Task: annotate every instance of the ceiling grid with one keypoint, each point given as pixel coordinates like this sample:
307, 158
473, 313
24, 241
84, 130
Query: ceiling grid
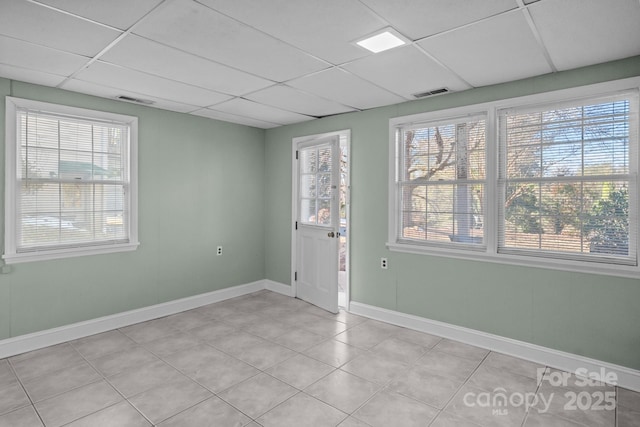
278, 62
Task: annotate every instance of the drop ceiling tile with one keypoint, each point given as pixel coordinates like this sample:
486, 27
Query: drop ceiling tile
418, 19
345, 88
117, 13
405, 71
583, 32
254, 110
323, 28
226, 117
36, 57
291, 99
29, 76
154, 58
482, 55
111, 93
197, 29
124, 78
41, 25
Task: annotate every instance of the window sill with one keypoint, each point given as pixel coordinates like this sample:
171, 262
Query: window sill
17, 258
518, 260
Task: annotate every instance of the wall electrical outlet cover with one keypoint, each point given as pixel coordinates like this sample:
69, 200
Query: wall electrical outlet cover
384, 264
219, 250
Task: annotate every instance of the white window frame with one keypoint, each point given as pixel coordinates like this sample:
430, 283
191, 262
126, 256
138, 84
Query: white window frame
11, 255
490, 253
400, 143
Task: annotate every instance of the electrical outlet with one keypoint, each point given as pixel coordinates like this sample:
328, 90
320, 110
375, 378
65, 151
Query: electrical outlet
384, 264
219, 251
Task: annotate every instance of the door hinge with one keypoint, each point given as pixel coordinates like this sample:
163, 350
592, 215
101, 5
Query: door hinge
296, 154
296, 225
295, 276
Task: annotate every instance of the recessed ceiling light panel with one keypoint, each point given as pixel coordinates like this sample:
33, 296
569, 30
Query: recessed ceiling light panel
382, 40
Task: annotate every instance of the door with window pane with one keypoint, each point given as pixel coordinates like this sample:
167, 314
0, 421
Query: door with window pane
318, 222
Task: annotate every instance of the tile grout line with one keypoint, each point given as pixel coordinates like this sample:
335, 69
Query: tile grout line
24, 390
381, 387
106, 380
538, 386
103, 378
462, 385
271, 340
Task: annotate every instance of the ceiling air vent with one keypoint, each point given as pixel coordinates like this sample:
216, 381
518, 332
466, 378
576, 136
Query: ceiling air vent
136, 100
431, 92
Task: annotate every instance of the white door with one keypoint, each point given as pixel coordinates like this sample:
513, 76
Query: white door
317, 234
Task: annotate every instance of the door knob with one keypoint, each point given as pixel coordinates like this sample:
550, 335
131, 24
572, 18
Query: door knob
331, 234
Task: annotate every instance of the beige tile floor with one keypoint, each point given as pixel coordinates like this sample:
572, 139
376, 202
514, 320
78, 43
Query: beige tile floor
269, 360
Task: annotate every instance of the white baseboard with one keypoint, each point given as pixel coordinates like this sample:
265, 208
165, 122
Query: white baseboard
37, 340
279, 288
626, 377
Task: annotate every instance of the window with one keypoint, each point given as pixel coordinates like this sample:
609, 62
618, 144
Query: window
547, 180
565, 177
315, 184
442, 181
70, 182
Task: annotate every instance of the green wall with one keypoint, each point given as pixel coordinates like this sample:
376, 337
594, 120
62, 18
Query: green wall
200, 186
204, 183
590, 315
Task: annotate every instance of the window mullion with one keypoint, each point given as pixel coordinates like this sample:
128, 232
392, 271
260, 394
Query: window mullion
492, 189
59, 187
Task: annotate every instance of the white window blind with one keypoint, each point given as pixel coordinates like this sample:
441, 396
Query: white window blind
72, 188
441, 182
315, 184
567, 180
546, 180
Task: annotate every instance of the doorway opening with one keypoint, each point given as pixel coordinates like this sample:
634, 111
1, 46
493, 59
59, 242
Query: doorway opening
344, 197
